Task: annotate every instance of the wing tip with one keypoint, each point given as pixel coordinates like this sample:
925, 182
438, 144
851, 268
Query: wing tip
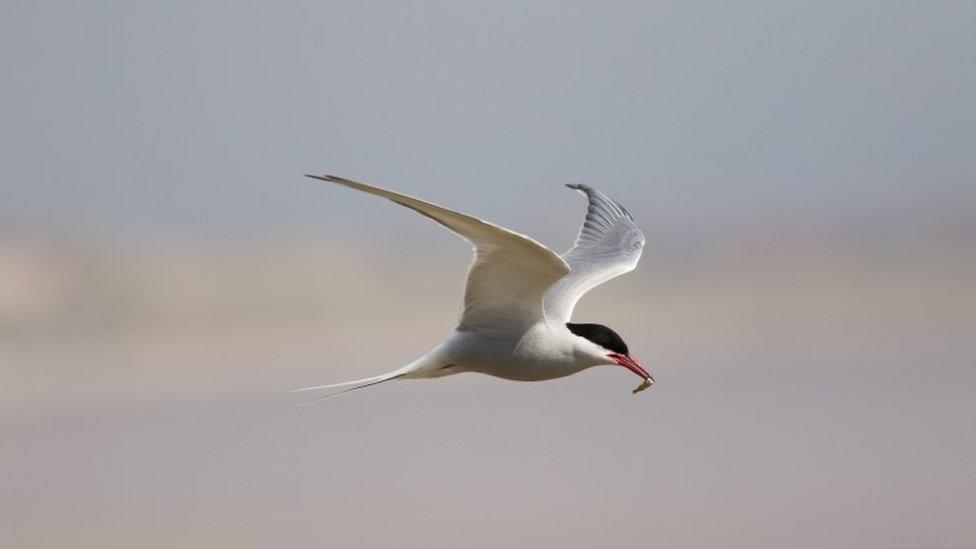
590, 192
325, 177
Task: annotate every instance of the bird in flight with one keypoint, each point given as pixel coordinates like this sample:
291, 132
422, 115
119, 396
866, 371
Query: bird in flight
519, 297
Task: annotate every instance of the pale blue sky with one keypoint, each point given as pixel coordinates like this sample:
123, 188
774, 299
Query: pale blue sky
197, 119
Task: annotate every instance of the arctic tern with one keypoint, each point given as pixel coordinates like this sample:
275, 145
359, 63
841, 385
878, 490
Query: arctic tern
519, 297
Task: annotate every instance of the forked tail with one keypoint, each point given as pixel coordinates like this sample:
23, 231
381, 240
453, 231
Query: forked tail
353, 385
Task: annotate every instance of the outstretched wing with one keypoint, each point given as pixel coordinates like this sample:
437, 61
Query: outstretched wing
510, 273
609, 244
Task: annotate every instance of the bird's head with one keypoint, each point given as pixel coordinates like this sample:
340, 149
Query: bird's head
609, 347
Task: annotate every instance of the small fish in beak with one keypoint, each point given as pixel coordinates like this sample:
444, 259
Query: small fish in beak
644, 385
631, 364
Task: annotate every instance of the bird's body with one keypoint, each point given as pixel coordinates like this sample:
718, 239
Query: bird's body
519, 297
543, 351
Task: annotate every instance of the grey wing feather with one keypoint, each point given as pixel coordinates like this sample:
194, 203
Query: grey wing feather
609, 244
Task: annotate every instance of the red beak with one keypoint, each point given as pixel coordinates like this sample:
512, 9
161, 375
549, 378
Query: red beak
631, 364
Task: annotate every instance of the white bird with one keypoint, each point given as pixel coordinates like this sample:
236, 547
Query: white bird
520, 295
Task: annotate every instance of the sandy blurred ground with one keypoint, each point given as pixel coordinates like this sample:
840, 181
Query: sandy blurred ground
811, 394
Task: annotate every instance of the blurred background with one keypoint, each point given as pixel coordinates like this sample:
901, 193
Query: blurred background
804, 173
